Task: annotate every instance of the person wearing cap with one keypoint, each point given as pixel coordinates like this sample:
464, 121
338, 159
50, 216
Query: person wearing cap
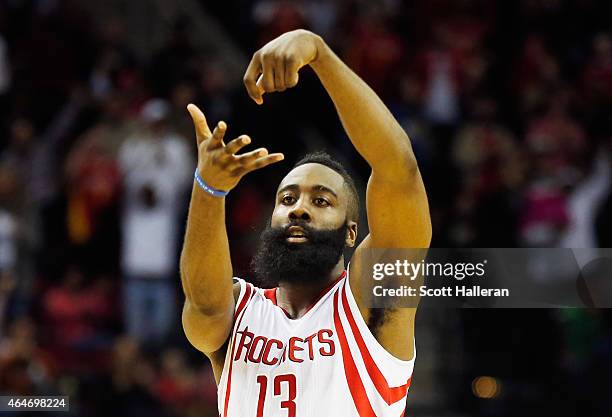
154, 163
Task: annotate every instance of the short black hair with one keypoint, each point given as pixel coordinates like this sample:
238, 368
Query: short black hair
323, 158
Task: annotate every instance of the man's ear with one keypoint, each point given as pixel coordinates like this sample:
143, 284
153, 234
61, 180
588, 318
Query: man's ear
351, 234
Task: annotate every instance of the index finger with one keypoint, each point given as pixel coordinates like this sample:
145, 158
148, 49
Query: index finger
199, 121
250, 79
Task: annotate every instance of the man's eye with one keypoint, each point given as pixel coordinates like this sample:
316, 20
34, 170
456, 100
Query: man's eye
287, 199
321, 202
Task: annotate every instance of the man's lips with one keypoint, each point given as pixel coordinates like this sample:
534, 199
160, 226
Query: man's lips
301, 239
295, 234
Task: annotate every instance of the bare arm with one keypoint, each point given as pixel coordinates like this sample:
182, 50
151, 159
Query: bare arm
206, 270
397, 207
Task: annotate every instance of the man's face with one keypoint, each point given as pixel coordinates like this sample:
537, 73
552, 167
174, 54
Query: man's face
309, 228
313, 193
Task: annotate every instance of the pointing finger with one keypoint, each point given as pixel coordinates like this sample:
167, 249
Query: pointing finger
199, 121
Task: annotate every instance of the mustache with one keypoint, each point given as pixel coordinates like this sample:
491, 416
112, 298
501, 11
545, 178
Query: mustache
315, 236
308, 230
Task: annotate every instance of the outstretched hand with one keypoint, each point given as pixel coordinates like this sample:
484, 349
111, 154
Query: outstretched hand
218, 164
275, 66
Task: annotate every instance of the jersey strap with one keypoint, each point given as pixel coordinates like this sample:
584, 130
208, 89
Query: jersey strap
246, 292
390, 394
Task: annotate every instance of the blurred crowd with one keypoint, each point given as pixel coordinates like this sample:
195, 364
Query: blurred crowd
507, 105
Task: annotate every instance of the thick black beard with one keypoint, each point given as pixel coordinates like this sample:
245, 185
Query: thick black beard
278, 261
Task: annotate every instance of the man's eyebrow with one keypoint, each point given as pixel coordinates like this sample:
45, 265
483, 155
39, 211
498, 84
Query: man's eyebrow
291, 187
318, 187
324, 189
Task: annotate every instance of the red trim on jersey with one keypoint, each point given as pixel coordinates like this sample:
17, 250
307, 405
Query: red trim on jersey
241, 308
353, 379
270, 294
245, 298
391, 395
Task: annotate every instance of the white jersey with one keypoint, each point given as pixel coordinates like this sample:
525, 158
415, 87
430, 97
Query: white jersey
326, 363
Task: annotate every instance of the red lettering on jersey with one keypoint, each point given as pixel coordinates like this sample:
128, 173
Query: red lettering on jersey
293, 348
310, 349
329, 342
261, 349
252, 356
243, 343
265, 359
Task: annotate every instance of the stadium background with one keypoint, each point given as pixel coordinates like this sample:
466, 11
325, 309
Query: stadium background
508, 107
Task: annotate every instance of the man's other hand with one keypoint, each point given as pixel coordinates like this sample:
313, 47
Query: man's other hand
275, 66
218, 164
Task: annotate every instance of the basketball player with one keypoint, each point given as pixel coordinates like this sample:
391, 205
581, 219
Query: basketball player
309, 346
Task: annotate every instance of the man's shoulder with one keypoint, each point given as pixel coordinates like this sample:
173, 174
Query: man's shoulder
242, 288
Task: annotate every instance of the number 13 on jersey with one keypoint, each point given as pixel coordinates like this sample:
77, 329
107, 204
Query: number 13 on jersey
284, 385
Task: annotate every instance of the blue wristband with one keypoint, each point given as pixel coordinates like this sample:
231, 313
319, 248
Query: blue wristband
208, 188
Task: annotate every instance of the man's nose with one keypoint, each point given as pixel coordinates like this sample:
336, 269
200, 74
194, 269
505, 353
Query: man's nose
298, 211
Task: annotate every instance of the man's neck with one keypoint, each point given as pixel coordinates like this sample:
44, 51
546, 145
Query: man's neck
296, 297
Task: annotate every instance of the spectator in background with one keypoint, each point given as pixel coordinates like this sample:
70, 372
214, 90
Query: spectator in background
558, 141
584, 201
126, 391
440, 66
156, 167
92, 192
18, 159
537, 76
375, 51
489, 162
79, 318
180, 388
25, 369
557, 147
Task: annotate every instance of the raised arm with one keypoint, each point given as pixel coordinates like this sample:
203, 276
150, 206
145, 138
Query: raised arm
397, 207
206, 270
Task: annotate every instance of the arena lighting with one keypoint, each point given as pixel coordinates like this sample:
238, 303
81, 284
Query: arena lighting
486, 387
